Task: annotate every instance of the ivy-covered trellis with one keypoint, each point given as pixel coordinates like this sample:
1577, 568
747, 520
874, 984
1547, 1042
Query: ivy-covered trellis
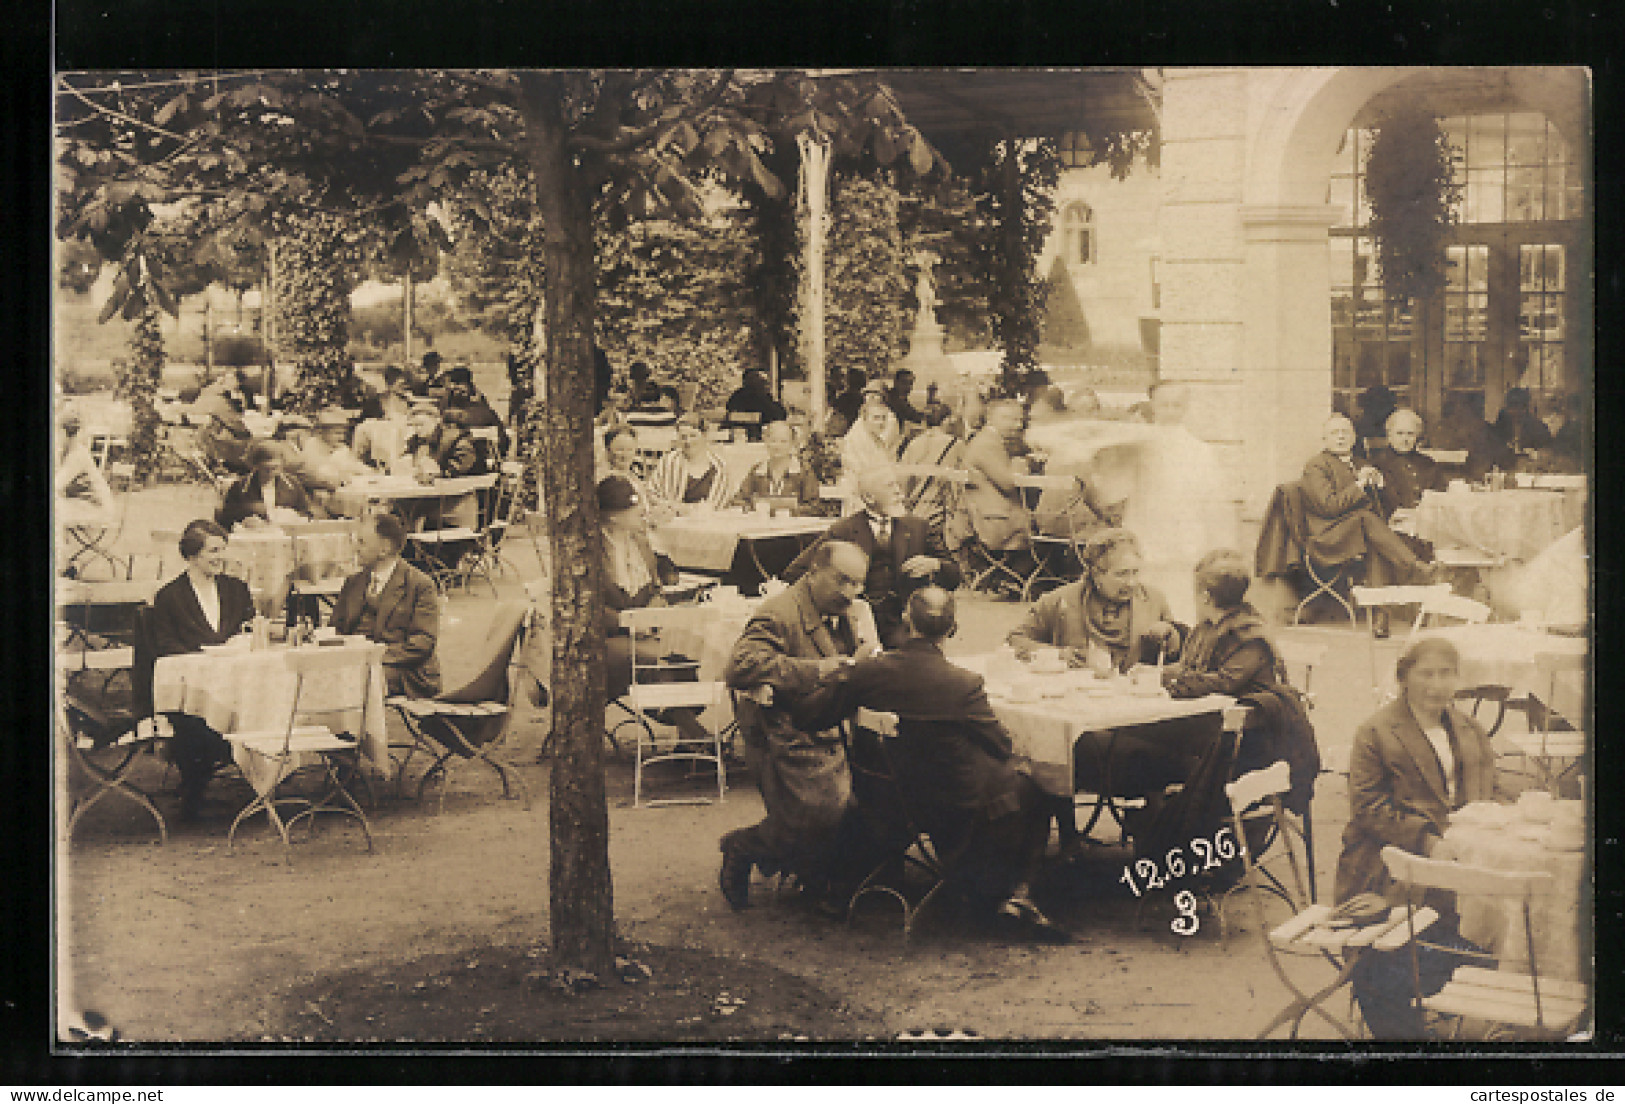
315, 256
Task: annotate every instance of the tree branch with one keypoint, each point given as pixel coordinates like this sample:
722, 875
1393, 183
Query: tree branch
131, 119
629, 139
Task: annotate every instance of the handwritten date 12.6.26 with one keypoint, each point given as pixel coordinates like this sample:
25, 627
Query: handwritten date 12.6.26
1205, 855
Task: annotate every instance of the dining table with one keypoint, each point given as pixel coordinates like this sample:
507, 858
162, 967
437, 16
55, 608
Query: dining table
237, 689
1504, 655
1066, 719
455, 495
1514, 523
708, 540
1503, 838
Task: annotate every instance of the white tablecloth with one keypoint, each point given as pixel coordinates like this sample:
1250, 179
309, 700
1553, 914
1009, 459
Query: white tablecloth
352, 498
1046, 730
1555, 917
705, 541
246, 691
1504, 655
1515, 523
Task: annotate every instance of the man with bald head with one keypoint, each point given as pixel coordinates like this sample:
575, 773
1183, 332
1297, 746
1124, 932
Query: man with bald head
904, 553
795, 638
1342, 513
956, 768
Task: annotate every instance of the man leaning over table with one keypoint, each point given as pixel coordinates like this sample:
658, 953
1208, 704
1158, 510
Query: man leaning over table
955, 761
392, 603
795, 638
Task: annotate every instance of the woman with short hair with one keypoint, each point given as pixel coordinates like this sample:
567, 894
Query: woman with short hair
691, 473
200, 606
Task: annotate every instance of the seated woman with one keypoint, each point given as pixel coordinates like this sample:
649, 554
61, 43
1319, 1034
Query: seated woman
633, 576
1229, 651
691, 474
199, 606
782, 475
869, 444
1413, 763
265, 495
1107, 619
78, 480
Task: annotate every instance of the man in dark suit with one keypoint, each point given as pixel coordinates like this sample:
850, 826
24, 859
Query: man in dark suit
1406, 473
795, 638
755, 397
1341, 513
393, 603
899, 547
974, 797
267, 486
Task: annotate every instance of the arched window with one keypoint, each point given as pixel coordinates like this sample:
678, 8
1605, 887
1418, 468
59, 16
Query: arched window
1078, 233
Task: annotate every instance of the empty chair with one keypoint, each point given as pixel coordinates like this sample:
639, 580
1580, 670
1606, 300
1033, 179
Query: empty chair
472, 722
653, 691
1542, 1007
1553, 752
345, 675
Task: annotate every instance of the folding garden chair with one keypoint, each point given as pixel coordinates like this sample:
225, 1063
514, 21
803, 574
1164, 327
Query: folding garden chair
661, 683
473, 721
1553, 752
1316, 932
344, 674
1544, 1008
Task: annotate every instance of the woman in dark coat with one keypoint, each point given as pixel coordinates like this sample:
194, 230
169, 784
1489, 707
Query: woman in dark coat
1414, 762
1229, 652
200, 606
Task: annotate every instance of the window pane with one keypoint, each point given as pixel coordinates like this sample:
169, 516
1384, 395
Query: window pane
1369, 367
1524, 195
1400, 320
1526, 139
1341, 197
1399, 364
1485, 199
1342, 261
1486, 142
1455, 268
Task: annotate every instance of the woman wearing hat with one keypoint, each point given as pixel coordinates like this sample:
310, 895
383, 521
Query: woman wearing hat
633, 576
257, 497
871, 443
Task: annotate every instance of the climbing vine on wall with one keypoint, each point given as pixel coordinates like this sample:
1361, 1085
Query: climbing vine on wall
137, 382
1015, 195
1413, 191
866, 313
317, 257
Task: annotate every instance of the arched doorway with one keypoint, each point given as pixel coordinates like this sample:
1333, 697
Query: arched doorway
1511, 314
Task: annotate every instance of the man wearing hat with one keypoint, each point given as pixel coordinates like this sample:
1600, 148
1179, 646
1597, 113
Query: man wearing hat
462, 395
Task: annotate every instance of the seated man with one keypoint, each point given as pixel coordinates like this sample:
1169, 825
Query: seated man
974, 797
393, 603
1341, 513
902, 556
267, 493
795, 638
440, 445
897, 398
754, 397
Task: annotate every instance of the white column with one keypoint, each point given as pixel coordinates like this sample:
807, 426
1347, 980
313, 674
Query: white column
1288, 384
815, 202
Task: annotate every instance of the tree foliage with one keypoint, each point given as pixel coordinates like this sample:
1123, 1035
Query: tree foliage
317, 258
1015, 195
1413, 191
867, 288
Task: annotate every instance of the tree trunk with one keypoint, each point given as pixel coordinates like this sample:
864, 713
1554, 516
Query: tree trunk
580, 898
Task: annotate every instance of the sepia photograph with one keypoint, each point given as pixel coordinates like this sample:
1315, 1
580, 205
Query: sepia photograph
560, 558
